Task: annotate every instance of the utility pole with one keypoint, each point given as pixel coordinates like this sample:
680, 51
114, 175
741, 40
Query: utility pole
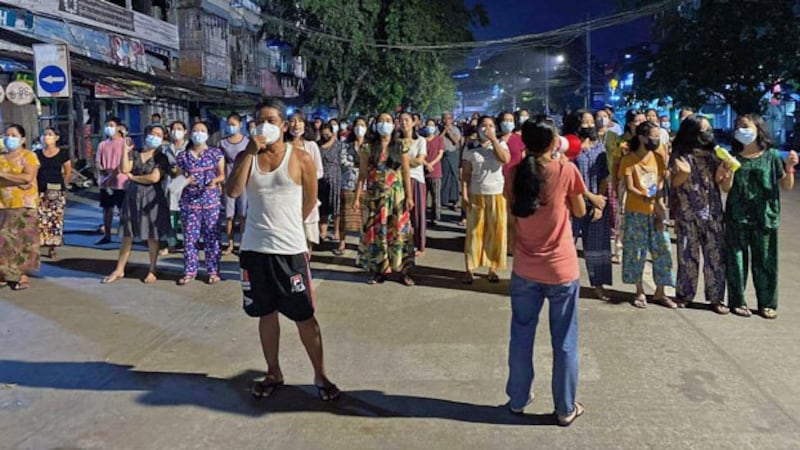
588, 65
546, 81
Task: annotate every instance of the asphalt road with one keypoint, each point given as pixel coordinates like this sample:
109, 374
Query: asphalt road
130, 366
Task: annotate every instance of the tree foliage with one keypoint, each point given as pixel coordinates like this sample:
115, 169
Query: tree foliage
733, 50
355, 76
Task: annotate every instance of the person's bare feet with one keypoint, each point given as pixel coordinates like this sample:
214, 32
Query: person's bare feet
113, 277
150, 278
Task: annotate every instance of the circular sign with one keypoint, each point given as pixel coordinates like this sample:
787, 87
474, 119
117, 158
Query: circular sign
19, 93
52, 79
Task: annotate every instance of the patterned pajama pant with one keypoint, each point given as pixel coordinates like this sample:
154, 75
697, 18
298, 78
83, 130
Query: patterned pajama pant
197, 222
640, 236
760, 246
694, 236
596, 242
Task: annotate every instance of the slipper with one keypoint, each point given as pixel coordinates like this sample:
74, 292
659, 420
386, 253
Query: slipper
570, 419
665, 302
377, 279
214, 279
263, 389
493, 278
640, 302
720, 309
468, 278
18, 286
407, 280
742, 311
337, 252
185, 280
328, 393
600, 294
768, 313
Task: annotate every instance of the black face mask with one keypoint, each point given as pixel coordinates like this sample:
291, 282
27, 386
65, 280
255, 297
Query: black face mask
652, 144
706, 138
587, 133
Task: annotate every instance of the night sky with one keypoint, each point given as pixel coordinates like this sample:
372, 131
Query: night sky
515, 17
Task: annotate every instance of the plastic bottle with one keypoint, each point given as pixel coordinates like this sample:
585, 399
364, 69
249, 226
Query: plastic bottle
724, 155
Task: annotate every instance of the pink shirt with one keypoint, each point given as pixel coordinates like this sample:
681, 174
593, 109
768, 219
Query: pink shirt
515, 147
545, 250
109, 157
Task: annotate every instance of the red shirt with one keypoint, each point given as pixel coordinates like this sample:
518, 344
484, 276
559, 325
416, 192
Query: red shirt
515, 147
544, 251
435, 146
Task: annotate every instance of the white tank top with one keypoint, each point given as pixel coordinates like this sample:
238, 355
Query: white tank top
274, 211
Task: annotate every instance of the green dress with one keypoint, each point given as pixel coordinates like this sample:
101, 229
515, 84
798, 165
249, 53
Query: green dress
387, 242
752, 217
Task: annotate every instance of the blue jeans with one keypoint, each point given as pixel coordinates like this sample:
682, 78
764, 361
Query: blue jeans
527, 299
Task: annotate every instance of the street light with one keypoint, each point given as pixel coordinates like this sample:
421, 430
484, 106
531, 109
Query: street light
560, 58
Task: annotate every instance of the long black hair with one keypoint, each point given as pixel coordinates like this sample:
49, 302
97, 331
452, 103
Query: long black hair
643, 129
374, 138
573, 122
764, 138
529, 180
630, 116
689, 136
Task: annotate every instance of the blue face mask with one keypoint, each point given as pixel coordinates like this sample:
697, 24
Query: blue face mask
153, 141
431, 130
507, 127
12, 143
110, 131
232, 129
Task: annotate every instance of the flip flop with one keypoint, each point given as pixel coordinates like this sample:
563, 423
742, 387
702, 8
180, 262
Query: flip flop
263, 389
493, 278
742, 311
328, 393
640, 302
769, 313
18, 286
570, 419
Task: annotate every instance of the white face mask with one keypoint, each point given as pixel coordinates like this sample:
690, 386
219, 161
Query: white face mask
335, 128
523, 119
745, 136
482, 133
296, 133
602, 122
361, 131
199, 137
178, 135
385, 128
271, 132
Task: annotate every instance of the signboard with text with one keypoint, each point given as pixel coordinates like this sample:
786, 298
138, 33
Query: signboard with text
53, 78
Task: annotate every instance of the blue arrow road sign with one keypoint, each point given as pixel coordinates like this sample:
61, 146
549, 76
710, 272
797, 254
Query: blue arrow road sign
52, 79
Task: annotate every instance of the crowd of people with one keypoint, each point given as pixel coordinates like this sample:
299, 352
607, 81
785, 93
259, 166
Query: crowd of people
523, 186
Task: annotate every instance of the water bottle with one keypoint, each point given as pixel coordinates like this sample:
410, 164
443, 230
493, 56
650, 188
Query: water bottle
724, 155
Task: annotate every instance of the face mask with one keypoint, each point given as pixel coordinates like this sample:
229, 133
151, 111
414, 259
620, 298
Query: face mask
344, 126
385, 128
152, 141
745, 136
706, 138
431, 130
269, 131
603, 122
361, 131
232, 129
523, 119
665, 125
482, 133
326, 138
652, 144
587, 133
12, 143
507, 127
199, 137
335, 128
177, 135
296, 133
111, 131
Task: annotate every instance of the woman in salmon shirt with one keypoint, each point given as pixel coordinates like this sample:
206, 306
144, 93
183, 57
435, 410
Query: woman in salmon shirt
542, 196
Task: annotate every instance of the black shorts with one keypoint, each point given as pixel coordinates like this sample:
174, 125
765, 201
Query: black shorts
115, 198
277, 283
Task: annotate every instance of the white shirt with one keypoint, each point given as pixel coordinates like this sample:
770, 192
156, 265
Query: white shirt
416, 149
664, 136
487, 170
616, 128
312, 149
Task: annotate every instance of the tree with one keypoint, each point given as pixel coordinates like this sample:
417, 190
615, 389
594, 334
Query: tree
356, 75
733, 50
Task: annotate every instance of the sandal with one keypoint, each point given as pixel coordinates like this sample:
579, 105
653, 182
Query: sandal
377, 279
150, 278
681, 304
113, 278
407, 280
185, 280
720, 309
468, 278
328, 393
742, 311
18, 285
565, 421
640, 302
601, 294
214, 279
493, 278
666, 302
337, 252
227, 251
263, 389
768, 313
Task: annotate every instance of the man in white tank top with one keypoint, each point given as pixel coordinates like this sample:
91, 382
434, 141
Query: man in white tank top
281, 186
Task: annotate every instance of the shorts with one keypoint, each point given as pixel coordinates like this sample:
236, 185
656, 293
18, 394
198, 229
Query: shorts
236, 207
277, 283
115, 198
312, 232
